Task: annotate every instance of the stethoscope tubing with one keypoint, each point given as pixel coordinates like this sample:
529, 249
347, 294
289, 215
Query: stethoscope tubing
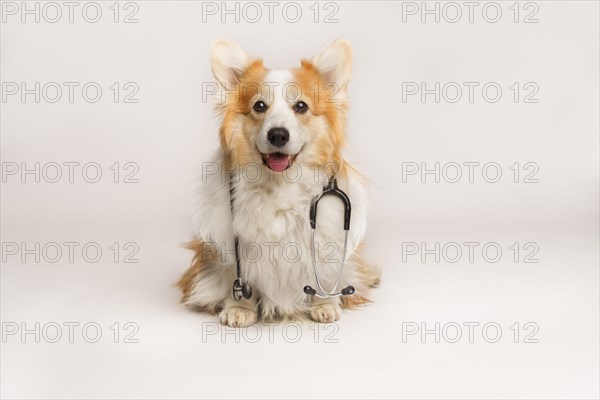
324, 293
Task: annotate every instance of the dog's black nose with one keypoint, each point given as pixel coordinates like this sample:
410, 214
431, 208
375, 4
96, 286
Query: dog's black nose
278, 137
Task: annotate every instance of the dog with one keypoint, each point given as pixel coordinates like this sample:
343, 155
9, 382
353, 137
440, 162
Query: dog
281, 140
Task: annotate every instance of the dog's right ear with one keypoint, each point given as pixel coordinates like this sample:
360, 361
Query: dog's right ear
229, 62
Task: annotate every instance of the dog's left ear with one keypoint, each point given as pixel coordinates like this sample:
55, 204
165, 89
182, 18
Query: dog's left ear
335, 63
229, 62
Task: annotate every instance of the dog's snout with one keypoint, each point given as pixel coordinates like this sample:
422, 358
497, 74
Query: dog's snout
278, 137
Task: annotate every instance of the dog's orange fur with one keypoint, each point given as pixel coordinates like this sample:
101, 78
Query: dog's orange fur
237, 105
321, 102
203, 254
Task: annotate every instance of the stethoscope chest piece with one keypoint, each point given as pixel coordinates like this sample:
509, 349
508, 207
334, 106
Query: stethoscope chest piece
241, 290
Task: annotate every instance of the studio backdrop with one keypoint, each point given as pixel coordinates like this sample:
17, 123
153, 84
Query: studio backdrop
477, 124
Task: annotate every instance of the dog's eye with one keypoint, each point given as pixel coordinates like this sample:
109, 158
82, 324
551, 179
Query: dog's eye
260, 106
300, 107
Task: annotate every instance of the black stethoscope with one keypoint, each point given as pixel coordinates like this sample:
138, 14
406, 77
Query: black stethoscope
241, 289
331, 189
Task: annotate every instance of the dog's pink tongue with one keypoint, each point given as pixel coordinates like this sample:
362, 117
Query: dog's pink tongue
278, 162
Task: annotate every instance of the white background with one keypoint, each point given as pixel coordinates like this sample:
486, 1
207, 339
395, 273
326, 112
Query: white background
171, 131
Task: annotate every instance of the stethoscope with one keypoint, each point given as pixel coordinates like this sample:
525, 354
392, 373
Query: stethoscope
243, 289
331, 189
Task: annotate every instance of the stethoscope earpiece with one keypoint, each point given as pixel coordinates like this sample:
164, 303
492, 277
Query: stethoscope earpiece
309, 290
347, 291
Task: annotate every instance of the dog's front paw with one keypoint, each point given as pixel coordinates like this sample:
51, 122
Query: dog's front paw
238, 317
325, 313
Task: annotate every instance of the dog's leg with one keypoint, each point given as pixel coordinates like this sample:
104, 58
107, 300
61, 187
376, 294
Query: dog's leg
239, 314
325, 310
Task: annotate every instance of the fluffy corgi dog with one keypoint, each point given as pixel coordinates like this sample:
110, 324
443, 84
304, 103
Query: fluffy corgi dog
281, 141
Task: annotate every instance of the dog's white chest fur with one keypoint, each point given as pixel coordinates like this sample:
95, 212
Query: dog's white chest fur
271, 220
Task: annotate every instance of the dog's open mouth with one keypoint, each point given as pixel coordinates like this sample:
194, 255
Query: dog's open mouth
277, 161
